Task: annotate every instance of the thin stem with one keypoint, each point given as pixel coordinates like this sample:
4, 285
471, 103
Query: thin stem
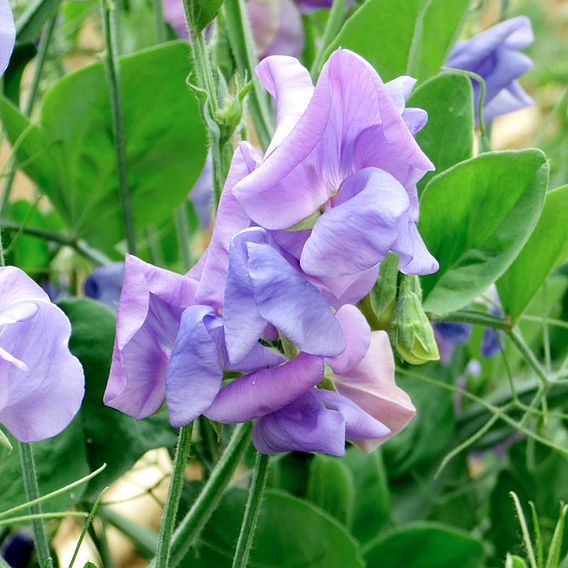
528, 355
207, 501
112, 73
41, 57
159, 23
80, 246
85, 528
32, 494
242, 46
332, 26
474, 317
40, 516
252, 511
174, 494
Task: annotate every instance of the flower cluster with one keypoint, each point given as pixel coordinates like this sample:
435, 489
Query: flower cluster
265, 326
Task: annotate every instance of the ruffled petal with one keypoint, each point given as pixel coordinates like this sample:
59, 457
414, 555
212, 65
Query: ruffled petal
195, 371
357, 335
254, 395
17, 286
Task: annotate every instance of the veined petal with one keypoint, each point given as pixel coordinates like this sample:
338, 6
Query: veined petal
195, 371
39, 397
254, 395
357, 233
288, 301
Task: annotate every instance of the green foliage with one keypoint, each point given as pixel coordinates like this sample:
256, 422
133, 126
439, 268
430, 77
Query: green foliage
545, 249
403, 37
425, 545
290, 532
475, 219
70, 155
447, 137
203, 12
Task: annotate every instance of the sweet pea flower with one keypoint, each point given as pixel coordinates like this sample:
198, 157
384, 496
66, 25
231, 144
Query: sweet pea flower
495, 55
104, 284
337, 185
276, 25
41, 383
367, 407
7, 35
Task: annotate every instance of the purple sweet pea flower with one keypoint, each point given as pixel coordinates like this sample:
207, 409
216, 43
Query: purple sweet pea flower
276, 25
342, 165
495, 55
41, 383
104, 284
7, 35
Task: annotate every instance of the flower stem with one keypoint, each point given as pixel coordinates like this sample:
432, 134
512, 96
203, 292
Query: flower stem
192, 524
475, 317
252, 510
242, 46
332, 27
112, 72
174, 493
31, 488
45, 40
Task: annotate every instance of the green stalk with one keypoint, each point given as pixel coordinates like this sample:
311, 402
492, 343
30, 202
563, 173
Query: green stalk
332, 27
191, 525
80, 246
31, 488
242, 46
252, 511
112, 73
474, 317
163, 551
41, 57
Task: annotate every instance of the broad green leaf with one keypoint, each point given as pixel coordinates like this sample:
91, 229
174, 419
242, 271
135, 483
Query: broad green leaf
401, 37
475, 219
74, 159
544, 250
447, 137
290, 532
331, 487
111, 437
59, 461
371, 511
203, 12
425, 545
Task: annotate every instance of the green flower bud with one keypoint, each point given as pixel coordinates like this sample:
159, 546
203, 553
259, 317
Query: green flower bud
383, 294
410, 330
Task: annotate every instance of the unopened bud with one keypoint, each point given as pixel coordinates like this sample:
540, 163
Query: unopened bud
410, 330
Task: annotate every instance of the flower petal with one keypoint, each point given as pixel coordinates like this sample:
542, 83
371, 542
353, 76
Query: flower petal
195, 371
254, 395
17, 286
357, 233
7, 34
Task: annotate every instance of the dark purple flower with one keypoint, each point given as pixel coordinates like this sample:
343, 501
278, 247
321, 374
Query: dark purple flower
454, 333
104, 284
7, 35
495, 55
337, 184
41, 383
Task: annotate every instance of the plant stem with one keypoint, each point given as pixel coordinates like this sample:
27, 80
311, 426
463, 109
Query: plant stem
528, 356
252, 511
174, 493
192, 524
159, 23
333, 25
31, 488
112, 73
80, 246
41, 57
474, 317
242, 46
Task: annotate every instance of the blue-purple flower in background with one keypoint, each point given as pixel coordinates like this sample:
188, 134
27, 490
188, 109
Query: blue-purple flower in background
104, 284
495, 55
41, 383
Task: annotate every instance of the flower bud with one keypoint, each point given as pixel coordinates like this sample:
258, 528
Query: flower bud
383, 294
410, 330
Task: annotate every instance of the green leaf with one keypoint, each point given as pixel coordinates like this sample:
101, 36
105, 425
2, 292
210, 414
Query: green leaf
331, 487
372, 503
203, 12
447, 137
401, 37
553, 559
30, 24
290, 532
475, 219
111, 437
72, 150
545, 249
425, 545
59, 461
